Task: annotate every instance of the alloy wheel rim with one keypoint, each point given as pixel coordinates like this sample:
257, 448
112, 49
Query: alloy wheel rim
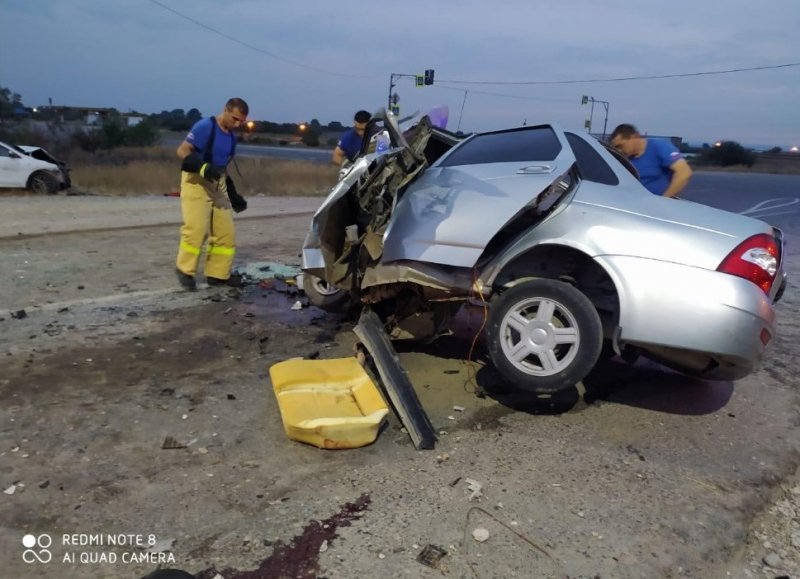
539, 336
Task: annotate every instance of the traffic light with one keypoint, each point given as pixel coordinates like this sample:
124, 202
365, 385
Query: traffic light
429, 76
420, 80
584, 99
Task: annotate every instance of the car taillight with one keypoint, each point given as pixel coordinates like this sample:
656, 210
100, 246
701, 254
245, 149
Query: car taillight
754, 259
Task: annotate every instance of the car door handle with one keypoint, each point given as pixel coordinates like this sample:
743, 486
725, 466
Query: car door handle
535, 170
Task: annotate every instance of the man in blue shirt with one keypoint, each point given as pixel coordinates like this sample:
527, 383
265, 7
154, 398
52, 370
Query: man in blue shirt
350, 143
662, 169
208, 197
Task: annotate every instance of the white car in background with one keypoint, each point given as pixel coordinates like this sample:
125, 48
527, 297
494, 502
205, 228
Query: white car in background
19, 169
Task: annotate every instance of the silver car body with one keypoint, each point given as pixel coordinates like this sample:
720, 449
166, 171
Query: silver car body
648, 263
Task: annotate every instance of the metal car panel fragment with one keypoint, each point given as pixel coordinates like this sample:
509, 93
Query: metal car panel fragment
394, 381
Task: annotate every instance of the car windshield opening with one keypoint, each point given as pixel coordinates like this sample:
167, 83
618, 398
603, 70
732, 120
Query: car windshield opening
514, 146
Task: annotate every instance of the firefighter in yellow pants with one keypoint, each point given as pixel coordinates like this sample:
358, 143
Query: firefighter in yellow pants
206, 212
208, 197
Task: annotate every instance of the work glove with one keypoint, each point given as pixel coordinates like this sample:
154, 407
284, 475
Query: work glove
193, 163
210, 173
238, 203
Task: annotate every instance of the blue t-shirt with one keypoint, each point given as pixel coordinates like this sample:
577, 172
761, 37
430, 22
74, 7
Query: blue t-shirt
350, 143
654, 165
224, 143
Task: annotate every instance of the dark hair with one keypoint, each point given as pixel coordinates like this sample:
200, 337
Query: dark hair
362, 117
625, 130
237, 103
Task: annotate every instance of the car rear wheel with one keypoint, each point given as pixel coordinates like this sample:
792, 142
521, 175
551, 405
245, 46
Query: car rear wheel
544, 335
42, 182
324, 295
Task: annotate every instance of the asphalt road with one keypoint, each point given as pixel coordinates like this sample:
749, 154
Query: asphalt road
289, 152
299, 153
771, 198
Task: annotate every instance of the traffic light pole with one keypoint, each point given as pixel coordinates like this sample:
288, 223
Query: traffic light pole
421, 80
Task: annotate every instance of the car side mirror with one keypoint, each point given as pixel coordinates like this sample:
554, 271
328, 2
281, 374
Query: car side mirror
14, 155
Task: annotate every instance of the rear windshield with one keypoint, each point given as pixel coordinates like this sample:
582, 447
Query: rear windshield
515, 146
590, 163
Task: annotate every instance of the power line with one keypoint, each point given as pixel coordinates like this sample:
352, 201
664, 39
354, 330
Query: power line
255, 48
458, 81
624, 78
510, 96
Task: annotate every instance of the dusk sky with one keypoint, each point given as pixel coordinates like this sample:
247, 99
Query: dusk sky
294, 61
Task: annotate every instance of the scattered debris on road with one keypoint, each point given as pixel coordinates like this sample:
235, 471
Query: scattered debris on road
431, 555
476, 488
171, 444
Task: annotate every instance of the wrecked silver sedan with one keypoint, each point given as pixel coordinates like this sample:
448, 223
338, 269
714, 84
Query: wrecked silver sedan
551, 228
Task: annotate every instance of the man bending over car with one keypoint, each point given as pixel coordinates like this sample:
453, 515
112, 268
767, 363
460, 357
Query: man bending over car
662, 169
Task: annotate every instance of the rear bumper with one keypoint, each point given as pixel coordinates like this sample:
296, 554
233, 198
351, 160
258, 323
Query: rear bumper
703, 321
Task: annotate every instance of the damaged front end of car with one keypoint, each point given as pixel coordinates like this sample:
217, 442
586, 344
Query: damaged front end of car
343, 249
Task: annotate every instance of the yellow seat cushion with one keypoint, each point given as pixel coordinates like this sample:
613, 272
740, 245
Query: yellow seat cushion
328, 403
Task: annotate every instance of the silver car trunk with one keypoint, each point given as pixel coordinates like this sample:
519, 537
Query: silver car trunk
666, 229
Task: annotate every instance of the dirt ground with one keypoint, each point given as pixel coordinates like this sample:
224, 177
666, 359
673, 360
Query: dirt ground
650, 474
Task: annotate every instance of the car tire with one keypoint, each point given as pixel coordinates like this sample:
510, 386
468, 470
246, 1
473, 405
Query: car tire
43, 182
323, 295
544, 335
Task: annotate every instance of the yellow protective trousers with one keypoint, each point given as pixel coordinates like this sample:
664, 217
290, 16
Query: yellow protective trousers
205, 215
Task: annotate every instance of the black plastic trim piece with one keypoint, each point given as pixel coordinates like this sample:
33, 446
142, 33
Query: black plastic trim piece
394, 381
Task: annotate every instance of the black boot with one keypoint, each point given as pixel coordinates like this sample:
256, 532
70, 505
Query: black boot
186, 280
235, 280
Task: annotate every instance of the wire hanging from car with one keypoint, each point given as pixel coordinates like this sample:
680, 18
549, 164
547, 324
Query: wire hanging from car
472, 375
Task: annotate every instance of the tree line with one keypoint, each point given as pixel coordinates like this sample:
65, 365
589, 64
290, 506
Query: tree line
114, 130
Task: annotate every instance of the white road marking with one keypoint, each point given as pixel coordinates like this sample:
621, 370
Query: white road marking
772, 214
771, 204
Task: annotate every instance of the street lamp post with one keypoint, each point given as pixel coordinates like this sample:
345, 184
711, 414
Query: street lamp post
585, 99
392, 77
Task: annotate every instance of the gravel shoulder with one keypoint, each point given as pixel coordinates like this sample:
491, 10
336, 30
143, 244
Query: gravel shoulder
652, 474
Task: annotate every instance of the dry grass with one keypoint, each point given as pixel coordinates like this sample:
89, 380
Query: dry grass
156, 170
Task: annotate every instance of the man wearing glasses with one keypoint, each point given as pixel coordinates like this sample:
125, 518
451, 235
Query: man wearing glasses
662, 169
208, 195
350, 143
